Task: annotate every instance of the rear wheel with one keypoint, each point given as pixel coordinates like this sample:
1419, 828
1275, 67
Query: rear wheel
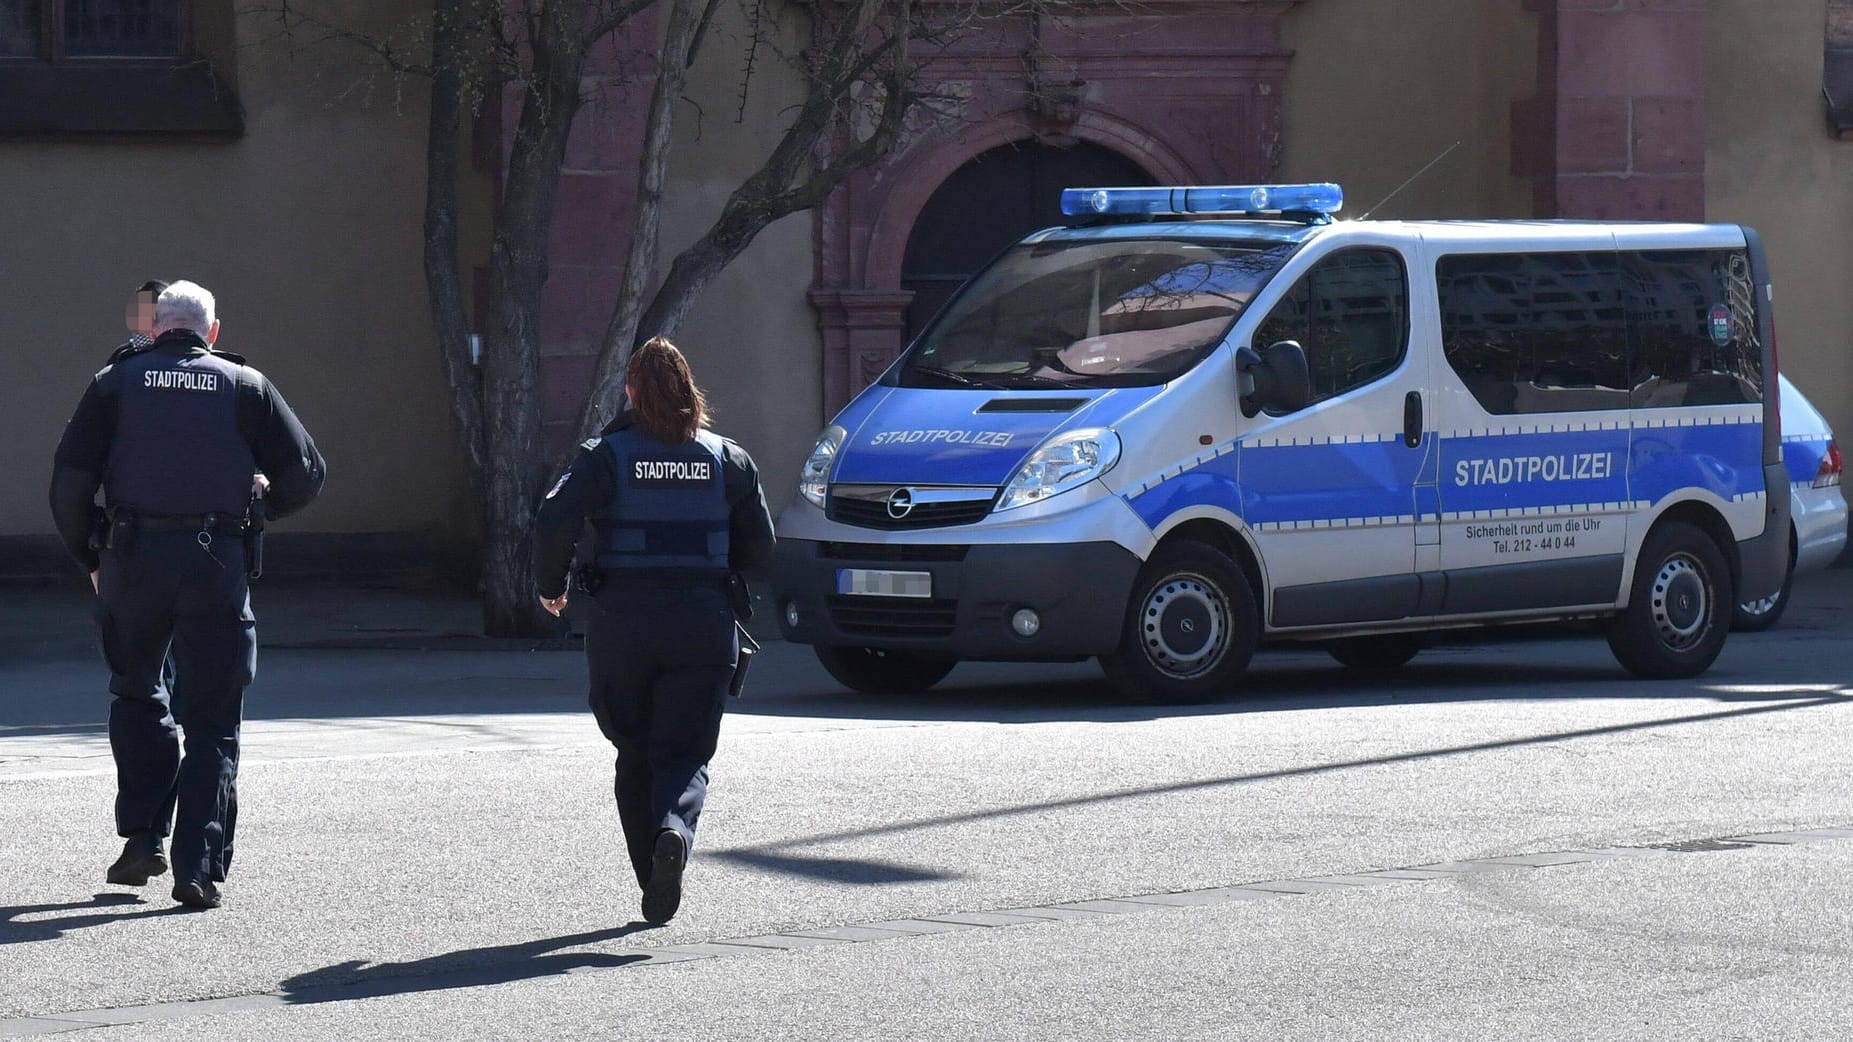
1190, 627
876, 671
1756, 616
1676, 619
1382, 651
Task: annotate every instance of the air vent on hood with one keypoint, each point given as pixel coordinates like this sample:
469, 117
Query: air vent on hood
1032, 405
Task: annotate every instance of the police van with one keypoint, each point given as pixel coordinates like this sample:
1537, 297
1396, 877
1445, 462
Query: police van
1201, 419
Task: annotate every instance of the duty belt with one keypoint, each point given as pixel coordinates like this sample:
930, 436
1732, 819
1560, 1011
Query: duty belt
225, 523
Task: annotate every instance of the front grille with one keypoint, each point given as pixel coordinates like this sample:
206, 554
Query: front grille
868, 506
892, 616
950, 552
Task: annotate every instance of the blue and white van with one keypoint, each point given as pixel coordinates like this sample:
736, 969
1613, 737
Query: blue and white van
1206, 418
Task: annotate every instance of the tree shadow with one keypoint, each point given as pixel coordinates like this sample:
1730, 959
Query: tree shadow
12, 931
780, 856
470, 968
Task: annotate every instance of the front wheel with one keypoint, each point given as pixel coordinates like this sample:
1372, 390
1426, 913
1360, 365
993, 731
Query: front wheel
1677, 615
876, 671
1190, 627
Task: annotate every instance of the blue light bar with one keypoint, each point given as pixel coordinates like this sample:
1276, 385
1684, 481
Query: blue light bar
1245, 199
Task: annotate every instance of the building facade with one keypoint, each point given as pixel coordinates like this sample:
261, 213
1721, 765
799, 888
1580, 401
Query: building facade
301, 204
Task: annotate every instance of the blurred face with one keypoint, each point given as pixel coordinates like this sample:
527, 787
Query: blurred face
140, 315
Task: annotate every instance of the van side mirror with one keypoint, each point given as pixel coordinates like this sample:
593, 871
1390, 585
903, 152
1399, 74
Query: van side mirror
1276, 379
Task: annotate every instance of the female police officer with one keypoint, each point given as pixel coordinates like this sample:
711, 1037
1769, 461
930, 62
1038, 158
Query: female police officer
675, 510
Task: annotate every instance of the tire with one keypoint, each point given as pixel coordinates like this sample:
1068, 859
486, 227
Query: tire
1757, 616
875, 671
1383, 651
1190, 628
1676, 621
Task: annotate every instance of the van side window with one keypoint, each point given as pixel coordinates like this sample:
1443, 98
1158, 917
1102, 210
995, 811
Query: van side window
1692, 319
1350, 313
1536, 332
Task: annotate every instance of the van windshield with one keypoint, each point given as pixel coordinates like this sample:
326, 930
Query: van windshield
1091, 314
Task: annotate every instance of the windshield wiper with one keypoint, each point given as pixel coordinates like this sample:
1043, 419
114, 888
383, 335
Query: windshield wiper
953, 375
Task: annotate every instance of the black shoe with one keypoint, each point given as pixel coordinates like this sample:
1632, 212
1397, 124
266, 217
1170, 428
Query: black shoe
141, 860
196, 893
663, 894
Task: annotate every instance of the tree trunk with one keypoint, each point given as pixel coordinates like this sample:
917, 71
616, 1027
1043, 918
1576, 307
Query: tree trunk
443, 281
511, 350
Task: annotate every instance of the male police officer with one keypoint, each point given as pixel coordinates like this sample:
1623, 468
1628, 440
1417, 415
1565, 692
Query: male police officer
173, 435
139, 317
677, 512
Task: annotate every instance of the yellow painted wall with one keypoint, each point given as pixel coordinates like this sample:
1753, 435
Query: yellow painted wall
753, 339
1772, 164
1376, 90
308, 230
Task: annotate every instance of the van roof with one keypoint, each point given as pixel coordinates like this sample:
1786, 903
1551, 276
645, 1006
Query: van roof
1448, 235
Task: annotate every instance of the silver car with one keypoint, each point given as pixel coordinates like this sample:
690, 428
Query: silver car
1818, 510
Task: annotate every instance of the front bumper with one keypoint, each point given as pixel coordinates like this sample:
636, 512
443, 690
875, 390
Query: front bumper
1079, 591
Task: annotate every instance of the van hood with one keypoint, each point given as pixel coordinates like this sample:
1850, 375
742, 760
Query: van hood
943, 436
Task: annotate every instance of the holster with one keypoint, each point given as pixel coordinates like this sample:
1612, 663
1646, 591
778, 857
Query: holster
748, 648
254, 538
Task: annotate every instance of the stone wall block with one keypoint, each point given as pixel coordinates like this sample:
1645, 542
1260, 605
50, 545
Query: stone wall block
1641, 197
1592, 136
1669, 136
1630, 54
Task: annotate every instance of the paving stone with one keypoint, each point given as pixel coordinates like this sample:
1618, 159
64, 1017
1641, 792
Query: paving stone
1808, 836
985, 918
1107, 905
172, 1010
919, 926
851, 933
712, 950
1464, 868
1410, 873
1299, 886
1351, 880
1538, 860
1200, 898
1052, 913
24, 1027
781, 941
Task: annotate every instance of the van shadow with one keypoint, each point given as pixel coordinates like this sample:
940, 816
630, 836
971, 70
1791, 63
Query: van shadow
1549, 666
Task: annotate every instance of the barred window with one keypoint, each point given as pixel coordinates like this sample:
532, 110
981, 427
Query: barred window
80, 68
53, 30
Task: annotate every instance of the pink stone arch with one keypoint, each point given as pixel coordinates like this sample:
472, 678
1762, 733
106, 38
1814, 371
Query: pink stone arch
928, 166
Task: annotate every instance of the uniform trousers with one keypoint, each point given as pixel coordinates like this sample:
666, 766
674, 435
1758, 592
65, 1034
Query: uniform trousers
165, 598
660, 661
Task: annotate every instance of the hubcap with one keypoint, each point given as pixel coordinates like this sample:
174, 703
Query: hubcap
1681, 603
1184, 626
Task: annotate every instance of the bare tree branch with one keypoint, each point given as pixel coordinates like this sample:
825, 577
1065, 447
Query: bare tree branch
640, 263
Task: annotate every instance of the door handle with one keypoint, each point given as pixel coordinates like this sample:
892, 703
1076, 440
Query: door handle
1412, 419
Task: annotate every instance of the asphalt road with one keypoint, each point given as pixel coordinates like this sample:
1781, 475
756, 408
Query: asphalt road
427, 850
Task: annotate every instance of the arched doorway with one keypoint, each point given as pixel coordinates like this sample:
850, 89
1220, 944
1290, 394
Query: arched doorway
992, 201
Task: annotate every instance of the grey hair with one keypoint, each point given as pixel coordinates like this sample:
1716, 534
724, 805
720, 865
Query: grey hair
185, 305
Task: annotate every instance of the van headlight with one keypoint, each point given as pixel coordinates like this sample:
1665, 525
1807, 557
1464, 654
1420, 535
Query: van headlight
814, 479
1064, 462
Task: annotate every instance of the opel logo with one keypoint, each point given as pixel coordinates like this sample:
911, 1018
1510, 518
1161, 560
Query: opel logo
900, 503
1187, 626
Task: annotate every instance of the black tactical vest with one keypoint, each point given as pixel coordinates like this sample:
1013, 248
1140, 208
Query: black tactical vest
669, 513
178, 450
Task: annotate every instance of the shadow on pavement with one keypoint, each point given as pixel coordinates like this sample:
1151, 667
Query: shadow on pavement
471, 968
769, 855
12, 931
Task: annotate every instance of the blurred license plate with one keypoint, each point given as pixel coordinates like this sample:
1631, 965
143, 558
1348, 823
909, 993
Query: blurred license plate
866, 582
